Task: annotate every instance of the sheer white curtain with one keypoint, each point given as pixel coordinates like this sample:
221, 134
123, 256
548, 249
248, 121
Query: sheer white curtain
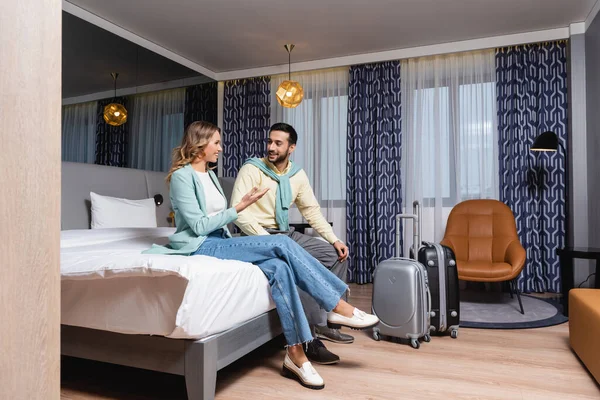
79, 132
156, 128
449, 134
321, 122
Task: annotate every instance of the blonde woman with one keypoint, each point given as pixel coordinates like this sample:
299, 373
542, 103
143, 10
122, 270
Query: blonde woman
201, 216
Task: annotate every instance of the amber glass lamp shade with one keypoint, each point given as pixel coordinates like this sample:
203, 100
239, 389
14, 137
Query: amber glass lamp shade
115, 114
289, 94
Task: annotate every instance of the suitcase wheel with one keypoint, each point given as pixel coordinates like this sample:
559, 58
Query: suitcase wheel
415, 343
454, 334
427, 338
376, 335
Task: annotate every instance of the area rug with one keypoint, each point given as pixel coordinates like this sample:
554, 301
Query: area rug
496, 310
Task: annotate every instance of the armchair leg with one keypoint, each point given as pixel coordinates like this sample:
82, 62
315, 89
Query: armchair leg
514, 287
510, 290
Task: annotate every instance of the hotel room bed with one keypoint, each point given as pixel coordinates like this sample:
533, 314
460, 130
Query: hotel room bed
189, 316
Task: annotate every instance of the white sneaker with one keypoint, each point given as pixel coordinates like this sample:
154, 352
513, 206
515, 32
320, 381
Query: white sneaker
359, 320
307, 375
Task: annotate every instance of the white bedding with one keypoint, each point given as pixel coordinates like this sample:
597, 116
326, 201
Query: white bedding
108, 284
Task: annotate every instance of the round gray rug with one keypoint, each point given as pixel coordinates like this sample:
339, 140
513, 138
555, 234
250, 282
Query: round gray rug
496, 310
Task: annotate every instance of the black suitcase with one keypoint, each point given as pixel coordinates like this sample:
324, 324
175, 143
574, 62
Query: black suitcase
442, 274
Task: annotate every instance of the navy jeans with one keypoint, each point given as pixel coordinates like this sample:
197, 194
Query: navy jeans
286, 265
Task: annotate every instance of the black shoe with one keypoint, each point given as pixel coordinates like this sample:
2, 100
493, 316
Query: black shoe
317, 352
333, 335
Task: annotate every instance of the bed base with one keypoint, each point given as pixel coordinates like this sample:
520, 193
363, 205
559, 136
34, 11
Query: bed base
197, 360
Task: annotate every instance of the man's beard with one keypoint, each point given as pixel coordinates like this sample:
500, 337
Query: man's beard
280, 159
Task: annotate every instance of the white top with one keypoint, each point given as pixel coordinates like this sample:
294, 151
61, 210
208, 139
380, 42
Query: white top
215, 202
106, 286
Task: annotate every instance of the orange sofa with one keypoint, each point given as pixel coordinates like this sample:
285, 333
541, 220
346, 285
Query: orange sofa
584, 327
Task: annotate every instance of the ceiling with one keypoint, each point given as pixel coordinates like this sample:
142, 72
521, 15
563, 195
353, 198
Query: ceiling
90, 54
226, 35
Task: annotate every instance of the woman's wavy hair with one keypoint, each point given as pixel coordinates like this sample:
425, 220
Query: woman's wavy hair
196, 137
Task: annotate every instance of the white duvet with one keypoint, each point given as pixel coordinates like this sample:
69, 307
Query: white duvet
108, 284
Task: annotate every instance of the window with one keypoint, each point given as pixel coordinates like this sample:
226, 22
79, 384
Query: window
435, 141
156, 128
456, 125
449, 134
79, 132
321, 123
477, 127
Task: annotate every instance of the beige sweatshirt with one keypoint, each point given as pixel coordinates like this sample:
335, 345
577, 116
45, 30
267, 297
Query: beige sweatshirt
261, 215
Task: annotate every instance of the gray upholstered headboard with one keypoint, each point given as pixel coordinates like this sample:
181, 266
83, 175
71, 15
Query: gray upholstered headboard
78, 180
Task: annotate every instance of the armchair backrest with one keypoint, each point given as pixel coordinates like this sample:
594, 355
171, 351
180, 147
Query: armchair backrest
480, 230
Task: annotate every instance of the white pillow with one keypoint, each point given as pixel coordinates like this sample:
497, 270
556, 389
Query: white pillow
112, 212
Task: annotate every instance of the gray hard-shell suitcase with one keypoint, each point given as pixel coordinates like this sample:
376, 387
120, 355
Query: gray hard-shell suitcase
401, 295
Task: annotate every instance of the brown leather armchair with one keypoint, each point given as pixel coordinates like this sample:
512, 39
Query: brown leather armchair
483, 236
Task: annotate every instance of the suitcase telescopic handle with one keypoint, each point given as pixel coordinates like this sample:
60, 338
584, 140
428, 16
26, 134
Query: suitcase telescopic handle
416, 217
419, 224
416, 233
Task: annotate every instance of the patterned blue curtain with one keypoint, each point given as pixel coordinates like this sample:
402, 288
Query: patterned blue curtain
373, 193
246, 121
532, 98
201, 103
111, 141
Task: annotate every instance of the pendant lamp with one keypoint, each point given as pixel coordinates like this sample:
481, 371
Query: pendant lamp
289, 93
115, 114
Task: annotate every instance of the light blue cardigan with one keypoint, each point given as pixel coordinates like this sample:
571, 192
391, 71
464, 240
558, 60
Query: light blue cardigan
189, 205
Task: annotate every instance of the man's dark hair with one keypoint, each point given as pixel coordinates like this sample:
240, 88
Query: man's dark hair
282, 126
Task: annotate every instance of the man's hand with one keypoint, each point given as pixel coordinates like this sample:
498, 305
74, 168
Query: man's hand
342, 250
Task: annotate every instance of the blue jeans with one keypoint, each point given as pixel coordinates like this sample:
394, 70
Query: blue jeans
287, 266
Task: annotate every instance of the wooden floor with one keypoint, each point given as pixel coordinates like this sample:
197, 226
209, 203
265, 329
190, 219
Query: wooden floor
481, 364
